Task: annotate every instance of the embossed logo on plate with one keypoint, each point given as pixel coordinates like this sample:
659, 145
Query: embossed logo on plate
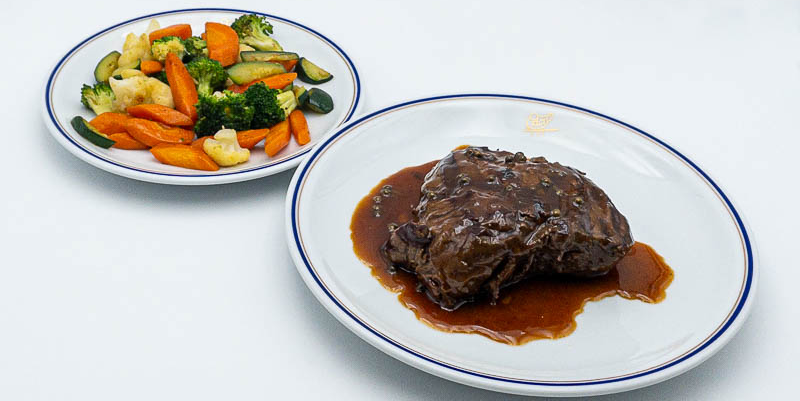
538, 123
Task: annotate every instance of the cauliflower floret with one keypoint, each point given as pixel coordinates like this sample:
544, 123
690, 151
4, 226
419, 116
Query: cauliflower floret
160, 93
135, 48
129, 72
224, 148
138, 90
152, 26
128, 92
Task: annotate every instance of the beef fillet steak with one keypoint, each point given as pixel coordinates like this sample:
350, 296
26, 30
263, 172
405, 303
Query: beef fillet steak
488, 219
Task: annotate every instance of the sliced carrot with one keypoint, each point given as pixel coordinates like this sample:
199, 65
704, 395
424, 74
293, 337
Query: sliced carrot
287, 64
203, 36
198, 143
250, 138
278, 81
222, 42
184, 156
109, 123
236, 88
184, 92
182, 31
150, 67
124, 140
152, 133
299, 127
277, 138
161, 114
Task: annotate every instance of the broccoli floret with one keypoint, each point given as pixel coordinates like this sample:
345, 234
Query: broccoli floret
168, 44
195, 47
99, 98
254, 30
229, 110
270, 106
209, 75
267, 110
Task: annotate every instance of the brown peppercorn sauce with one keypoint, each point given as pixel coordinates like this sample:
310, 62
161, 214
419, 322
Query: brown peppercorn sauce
532, 309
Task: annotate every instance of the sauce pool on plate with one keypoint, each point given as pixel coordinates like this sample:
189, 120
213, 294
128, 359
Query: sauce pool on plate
533, 309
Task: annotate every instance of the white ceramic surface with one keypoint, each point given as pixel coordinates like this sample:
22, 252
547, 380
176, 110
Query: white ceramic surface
62, 99
619, 344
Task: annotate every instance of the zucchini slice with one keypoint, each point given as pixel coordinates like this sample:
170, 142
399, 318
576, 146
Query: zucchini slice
311, 73
90, 133
301, 94
319, 101
133, 66
106, 66
268, 56
249, 71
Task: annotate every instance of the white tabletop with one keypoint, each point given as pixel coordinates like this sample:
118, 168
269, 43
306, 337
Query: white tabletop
116, 289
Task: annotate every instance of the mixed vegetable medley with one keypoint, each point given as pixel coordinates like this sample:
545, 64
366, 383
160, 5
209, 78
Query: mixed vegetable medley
202, 102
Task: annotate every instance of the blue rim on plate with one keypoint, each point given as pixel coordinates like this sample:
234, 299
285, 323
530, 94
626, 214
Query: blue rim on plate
745, 294
48, 88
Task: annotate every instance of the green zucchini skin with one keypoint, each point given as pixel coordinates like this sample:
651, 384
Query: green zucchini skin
249, 71
311, 73
106, 66
301, 94
319, 101
92, 135
268, 56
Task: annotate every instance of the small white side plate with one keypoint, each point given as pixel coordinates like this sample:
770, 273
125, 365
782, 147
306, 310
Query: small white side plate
62, 98
619, 344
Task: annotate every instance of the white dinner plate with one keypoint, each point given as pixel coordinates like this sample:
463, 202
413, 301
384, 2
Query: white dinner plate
62, 98
619, 344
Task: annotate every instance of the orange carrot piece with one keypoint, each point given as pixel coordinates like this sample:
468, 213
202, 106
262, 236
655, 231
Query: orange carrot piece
182, 31
161, 114
277, 138
124, 140
278, 81
299, 127
184, 156
250, 138
109, 123
236, 88
222, 42
184, 92
198, 143
152, 133
287, 64
150, 67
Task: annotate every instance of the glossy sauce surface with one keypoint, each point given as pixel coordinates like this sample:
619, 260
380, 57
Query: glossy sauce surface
533, 309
